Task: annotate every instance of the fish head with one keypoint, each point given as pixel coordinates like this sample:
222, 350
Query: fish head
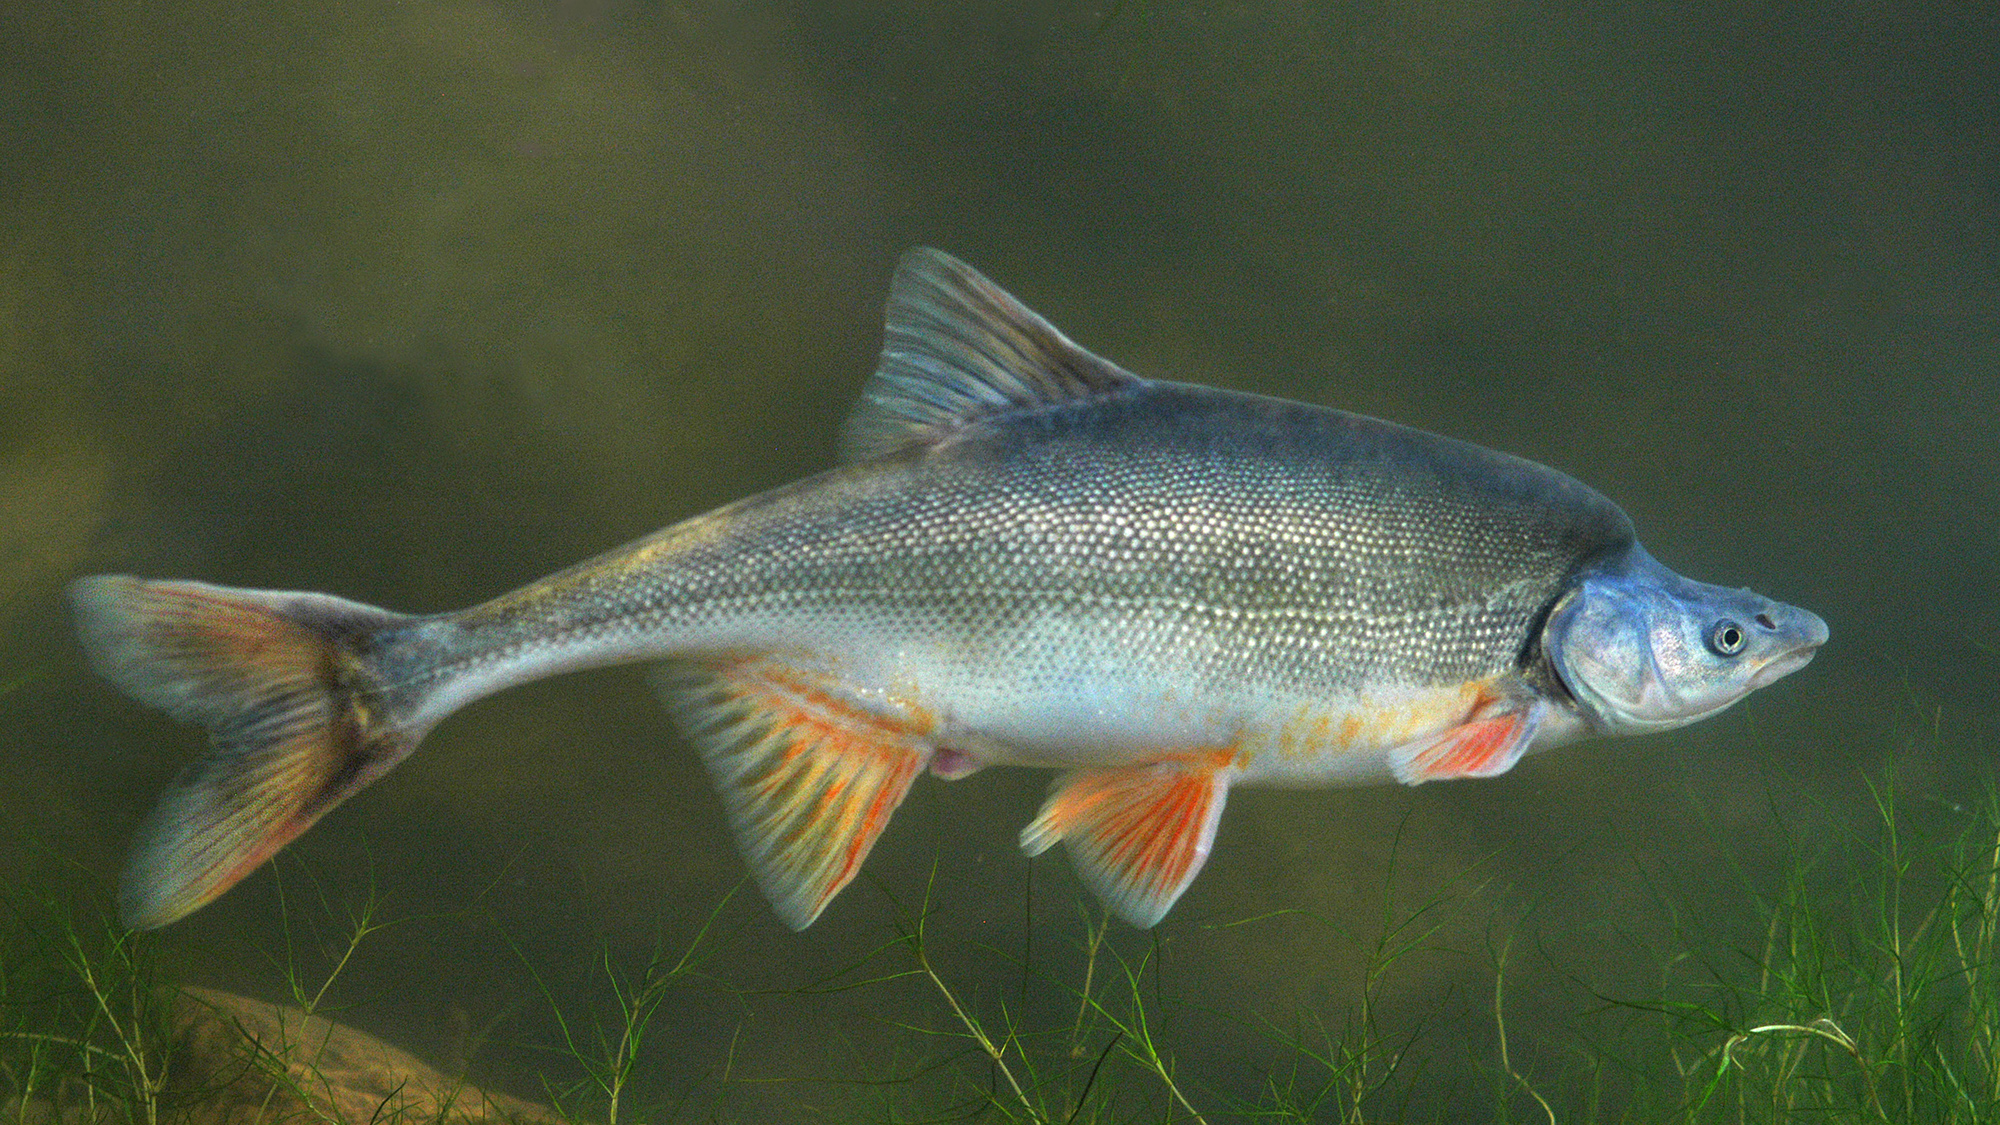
1643, 649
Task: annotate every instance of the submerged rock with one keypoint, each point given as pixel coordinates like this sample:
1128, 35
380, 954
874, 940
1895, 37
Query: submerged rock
238, 1061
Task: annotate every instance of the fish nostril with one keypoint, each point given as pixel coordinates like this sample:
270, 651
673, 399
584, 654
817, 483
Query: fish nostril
1764, 619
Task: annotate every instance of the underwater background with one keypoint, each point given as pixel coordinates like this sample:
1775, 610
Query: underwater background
413, 302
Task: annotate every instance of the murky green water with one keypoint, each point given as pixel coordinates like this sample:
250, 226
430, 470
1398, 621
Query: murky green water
413, 302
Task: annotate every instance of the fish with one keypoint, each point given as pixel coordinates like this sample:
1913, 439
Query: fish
1029, 556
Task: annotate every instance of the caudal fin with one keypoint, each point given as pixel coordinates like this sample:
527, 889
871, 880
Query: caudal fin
283, 684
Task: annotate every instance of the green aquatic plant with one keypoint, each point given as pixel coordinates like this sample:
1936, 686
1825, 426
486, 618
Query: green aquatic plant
1092, 1034
1870, 992
1499, 955
1051, 1069
1871, 996
293, 1064
84, 1016
1357, 1073
607, 1052
92, 1031
1061, 1072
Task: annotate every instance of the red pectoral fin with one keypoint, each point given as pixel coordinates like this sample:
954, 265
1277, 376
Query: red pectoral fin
1138, 834
1485, 745
809, 774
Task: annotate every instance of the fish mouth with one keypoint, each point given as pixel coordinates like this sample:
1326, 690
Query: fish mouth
1782, 665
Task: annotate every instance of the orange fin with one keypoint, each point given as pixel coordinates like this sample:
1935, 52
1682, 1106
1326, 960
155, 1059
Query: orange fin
1486, 745
1138, 834
294, 710
810, 774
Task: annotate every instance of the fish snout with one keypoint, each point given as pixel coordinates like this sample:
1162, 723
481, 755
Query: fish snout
1789, 636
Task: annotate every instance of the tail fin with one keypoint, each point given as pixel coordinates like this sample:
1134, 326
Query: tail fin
283, 684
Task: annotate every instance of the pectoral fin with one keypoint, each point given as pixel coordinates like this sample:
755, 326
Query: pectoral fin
1485, 745
809, 774
1137, 834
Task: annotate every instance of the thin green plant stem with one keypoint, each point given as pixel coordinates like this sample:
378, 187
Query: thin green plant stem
610, 1067
1822, 1028
636, 1008
1980, 960
277, 1061
1094, 931
1137, 1033
1500, 1026
1083, 1096
1895, 871
132, 1050
971, 1024
362, 924
61, 1040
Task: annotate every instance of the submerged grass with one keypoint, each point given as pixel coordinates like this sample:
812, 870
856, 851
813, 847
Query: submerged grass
82, 1018
606, 1052
1045, 1073
1871, 994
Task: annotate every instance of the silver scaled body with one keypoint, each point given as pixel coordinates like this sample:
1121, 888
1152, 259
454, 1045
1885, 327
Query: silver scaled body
1031, 558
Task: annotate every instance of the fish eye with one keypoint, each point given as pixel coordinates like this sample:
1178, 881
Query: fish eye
1727, 638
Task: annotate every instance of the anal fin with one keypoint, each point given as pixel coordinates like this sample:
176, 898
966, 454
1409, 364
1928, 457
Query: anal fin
1138, 834
809, 774
1486, 744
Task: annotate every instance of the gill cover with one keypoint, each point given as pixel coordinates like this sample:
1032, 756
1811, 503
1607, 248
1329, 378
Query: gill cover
1643, 649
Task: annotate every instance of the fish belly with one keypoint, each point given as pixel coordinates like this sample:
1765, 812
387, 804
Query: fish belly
1116, 717
1091, 694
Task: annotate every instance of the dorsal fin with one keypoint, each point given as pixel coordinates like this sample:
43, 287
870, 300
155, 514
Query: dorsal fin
958, 348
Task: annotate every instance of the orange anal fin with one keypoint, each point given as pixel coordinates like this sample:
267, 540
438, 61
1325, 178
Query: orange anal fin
1487, 744
1137, 834
809, 773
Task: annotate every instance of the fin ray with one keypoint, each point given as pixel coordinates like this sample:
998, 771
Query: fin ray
1487, 744
292, 708
809, 776
1137, 834
957, 348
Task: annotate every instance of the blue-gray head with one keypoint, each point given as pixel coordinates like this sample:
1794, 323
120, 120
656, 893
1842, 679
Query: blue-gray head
1642, 649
